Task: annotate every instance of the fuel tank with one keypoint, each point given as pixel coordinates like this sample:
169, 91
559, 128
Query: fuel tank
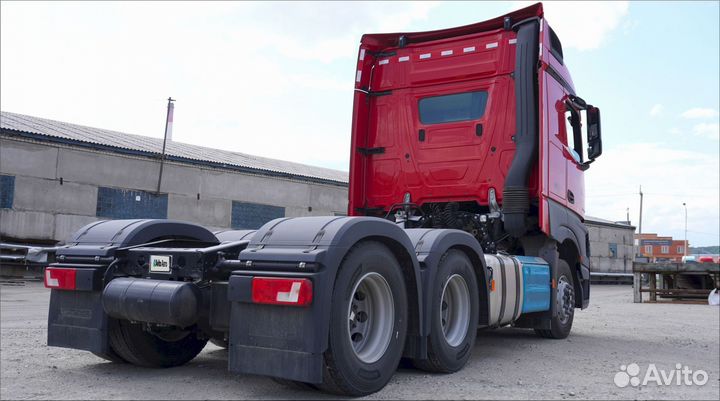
519, 284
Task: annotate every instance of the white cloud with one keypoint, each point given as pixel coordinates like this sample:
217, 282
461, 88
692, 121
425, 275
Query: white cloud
656, 110
668, 177
270, 79
584, 25
700, 113
707, 130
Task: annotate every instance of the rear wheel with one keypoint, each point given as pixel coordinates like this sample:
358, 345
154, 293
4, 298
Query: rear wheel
454, 314
561, 323
155, 350
368, 322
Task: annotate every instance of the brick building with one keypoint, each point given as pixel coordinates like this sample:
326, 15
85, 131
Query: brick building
660, 249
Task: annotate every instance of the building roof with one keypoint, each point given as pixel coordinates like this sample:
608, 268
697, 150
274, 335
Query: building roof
57, 131
603, 222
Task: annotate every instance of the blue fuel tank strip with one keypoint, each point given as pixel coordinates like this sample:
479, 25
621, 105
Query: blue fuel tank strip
536, 280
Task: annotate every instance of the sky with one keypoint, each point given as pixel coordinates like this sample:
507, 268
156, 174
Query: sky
276, 80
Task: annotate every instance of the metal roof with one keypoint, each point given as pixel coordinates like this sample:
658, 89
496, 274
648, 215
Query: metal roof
604, 222
58, 131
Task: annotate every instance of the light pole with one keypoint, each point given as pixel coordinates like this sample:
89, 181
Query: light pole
685, 246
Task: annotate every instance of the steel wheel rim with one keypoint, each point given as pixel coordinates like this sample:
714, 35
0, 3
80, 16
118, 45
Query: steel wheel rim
455, 310
371, 317
565, 300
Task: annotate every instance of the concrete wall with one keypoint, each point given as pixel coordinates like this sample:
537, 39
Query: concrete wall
601, 259
50, 209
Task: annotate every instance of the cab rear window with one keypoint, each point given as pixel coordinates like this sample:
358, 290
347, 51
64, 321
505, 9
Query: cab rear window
451, 108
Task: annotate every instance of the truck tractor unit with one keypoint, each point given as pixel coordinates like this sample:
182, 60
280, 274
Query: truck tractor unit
466, 204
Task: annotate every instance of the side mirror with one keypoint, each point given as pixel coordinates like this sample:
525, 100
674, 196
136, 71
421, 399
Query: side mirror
594, 140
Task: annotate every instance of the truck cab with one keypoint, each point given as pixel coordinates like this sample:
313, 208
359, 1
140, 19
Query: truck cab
478, 128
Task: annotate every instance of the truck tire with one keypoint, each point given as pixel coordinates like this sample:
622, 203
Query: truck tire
368, 322
141, 348
561, 323
454, 315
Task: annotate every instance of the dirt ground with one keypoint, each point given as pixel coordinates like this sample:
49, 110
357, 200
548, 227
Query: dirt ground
506, 363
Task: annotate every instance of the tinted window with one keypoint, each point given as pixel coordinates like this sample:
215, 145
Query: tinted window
449, 108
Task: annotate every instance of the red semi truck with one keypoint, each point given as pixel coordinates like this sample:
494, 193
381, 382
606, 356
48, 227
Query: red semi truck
466, 211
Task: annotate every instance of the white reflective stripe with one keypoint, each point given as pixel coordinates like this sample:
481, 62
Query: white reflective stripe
541, 25
540, 49
358, 76
512, 41
469, 49
446, 53
290, 296
404, 58
383, 62
362, 54
424, 56
491, 45
51, 282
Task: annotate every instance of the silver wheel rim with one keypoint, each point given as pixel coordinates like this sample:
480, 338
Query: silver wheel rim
565, 300
371, 316
455, 310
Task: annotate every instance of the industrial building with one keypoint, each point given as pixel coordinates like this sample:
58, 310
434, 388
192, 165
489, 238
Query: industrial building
660, 249
612, 247
56, 177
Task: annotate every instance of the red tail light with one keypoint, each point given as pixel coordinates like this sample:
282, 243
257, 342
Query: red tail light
58, 278
282, 291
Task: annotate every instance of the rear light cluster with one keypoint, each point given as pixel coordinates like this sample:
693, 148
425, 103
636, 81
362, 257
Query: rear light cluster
58, 278
282, 291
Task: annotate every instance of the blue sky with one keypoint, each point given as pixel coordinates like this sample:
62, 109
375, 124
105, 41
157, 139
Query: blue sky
275, 79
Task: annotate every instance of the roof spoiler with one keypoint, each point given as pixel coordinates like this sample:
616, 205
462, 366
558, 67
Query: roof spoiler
401, 39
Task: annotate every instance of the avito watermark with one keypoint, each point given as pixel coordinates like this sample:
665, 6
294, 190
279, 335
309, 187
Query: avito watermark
629, 375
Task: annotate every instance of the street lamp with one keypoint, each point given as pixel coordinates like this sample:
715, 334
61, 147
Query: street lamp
685, 246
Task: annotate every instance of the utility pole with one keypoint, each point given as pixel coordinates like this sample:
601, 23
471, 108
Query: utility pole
168, 133
685, 246
641, 201
627, 215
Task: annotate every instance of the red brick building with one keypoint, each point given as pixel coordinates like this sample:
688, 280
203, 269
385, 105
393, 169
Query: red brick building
660, 249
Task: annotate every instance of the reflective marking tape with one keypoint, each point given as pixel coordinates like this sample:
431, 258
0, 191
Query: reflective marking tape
383, 62
362, 54
424, 56
540, 49
358, 76
469, 49
512, 41
446, 53
404, 58
491, 45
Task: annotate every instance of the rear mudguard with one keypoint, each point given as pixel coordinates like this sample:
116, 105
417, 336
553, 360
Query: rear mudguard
288, 342
76, 319
430, 245
285, 341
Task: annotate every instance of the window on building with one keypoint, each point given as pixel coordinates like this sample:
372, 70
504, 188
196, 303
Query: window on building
680, 249
648, 249
665, 249
7, 191
118, 203
252, 216
613, 250
451, 108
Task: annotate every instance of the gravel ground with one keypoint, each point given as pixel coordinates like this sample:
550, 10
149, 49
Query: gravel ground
506, 363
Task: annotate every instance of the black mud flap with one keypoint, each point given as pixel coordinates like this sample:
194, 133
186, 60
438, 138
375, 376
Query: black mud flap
272, 340
77, 320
